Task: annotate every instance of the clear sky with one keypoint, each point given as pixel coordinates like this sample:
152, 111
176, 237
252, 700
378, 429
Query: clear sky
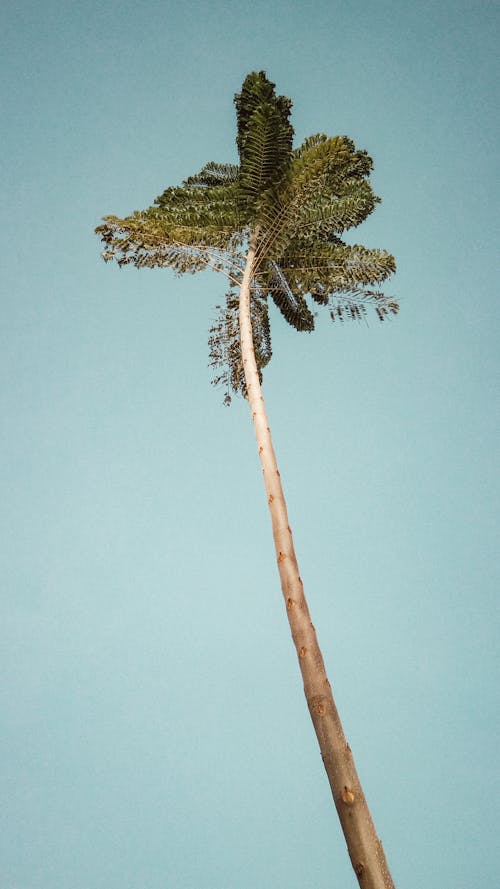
154, 732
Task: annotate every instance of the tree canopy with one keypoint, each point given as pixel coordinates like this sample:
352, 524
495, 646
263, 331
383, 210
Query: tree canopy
293, 204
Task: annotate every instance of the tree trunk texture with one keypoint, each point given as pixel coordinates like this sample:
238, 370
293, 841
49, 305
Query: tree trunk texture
364, 847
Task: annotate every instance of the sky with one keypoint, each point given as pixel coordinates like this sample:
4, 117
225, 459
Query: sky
154, 733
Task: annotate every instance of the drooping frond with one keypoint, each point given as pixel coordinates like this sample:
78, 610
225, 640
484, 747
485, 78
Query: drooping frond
225, 344
335, 275
291, 304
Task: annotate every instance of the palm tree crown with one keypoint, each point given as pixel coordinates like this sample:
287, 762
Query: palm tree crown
292, 205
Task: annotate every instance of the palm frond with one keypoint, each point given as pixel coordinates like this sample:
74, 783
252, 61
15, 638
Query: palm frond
204, 219
325, 192
328, 214
225, 344
264, 142
143, 243
266, 158
257, 90
336, 266
341, 276
194, 206
291, 304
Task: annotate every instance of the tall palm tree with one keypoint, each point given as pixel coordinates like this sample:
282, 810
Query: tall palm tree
273, 225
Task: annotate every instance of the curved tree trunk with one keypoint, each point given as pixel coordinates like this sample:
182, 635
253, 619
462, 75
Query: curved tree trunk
365, 849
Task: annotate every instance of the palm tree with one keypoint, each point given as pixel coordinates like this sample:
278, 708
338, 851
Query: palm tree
273, 226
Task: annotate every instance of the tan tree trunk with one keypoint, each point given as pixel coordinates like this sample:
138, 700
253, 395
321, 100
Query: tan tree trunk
365, 849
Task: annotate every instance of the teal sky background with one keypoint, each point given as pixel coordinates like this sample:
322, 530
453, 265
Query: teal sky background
154, 731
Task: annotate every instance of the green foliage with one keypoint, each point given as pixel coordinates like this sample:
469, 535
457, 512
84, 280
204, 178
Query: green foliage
264, 141
214, 174
224, 343
257, 93
291, 303
294, 204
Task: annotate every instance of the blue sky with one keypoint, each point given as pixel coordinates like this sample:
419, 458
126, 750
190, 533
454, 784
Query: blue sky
154, 731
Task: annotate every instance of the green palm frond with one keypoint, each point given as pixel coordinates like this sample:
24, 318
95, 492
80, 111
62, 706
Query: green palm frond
329, 213
199, 207
265, 160
325, 193
334, 275
256, 91
336, 267
264, 141
224, 343
291, 303
182, 230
